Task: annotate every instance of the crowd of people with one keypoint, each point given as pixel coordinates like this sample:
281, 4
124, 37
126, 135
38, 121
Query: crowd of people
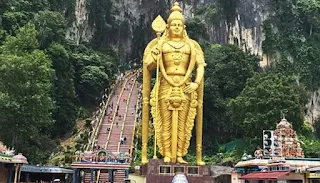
99, 154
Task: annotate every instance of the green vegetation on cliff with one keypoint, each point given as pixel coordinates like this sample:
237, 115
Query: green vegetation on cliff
240, 99
47, 82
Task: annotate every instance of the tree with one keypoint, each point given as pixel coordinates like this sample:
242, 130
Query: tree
196, 28
227, 71
51, 26
310, 146
65, 103
94, 72
64, 6
292, 39
23, 43
265, 97
17, 13
25, 102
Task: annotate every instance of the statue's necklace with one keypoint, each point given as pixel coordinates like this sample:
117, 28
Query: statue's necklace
177, 55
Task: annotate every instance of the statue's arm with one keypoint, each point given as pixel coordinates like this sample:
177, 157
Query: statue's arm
150, 61
199, 75
200, 64
149, 57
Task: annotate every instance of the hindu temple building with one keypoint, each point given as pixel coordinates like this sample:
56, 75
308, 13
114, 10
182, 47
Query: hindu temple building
14, 168
286, 141
281, 160
10, 164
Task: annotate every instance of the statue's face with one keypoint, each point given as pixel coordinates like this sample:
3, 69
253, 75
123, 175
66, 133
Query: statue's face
176, 28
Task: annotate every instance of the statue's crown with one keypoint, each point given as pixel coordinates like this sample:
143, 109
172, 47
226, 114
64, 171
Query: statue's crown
175, 13
176, 7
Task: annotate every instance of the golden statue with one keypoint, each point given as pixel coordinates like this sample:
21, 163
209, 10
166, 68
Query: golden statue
175, 100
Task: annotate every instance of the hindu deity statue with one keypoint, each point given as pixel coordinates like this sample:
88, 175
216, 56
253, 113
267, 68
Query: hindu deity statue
177, 96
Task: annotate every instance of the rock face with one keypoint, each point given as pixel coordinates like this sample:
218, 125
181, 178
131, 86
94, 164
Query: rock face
242, 27
80, 30
237, 21
313, 107
246, 31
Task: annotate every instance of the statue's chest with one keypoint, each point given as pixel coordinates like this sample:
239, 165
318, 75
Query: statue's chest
176, 54
176, 47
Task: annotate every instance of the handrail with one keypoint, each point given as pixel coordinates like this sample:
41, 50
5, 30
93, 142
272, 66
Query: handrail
114, 114
135, 123
97, 129
126, 113
98, 175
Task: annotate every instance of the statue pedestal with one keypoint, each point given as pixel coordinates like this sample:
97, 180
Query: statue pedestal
156, 171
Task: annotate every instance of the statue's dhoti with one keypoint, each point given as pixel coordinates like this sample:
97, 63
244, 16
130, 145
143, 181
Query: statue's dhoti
174, 118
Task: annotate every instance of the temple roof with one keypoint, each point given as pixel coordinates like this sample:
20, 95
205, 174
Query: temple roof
44, 169
292, 162
284, 124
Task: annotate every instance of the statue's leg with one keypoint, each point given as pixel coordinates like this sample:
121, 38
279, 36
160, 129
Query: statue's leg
182, 131
189, 123
166, 116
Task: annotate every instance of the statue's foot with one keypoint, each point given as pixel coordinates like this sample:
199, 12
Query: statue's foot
181, 160
166, 159
201, 163
144, 161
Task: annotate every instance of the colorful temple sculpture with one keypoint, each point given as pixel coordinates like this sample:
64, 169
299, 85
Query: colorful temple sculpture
280, 160
10, 164
15, 168
286, 141
100, 166
101, 156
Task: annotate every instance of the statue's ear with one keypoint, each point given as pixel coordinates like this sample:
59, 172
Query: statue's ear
185, 26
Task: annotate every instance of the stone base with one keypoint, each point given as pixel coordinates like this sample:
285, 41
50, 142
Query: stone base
156, 171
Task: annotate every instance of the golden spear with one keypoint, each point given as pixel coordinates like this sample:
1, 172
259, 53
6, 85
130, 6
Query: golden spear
158, 26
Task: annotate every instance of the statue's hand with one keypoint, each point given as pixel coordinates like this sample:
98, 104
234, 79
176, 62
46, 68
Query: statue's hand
155, 51
191, 87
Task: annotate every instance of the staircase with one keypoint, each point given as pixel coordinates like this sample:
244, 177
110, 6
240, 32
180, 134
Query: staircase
120, 116
120, 176
87, 177
104, 177
129, 122
110, 118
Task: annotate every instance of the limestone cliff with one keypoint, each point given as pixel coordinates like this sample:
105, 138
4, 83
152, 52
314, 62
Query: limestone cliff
135, 16
79, 30
313, 107
126, 26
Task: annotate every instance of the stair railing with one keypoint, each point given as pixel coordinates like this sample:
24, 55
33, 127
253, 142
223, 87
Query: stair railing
101, 117
114, 114
136, 120
126, 113
98, 176
101, 114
